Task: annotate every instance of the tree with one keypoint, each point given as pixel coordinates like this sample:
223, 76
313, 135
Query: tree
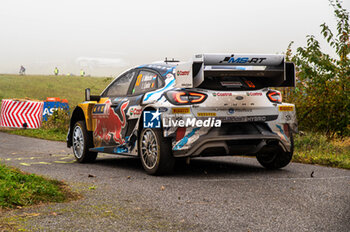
322, 94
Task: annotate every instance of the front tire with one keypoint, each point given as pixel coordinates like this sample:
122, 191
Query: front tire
82, 142
155, 152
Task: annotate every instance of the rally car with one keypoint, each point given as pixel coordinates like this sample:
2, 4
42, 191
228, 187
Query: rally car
215, 104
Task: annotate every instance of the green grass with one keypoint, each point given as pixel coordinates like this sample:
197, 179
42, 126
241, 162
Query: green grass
49, 134
40, 87
316, 148
21, 189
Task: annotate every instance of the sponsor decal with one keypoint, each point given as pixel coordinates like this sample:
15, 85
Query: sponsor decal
185, 139
138, 81
169, 75
206, 114
285, 108
244, 110
121, 149
282, 134
191, 122
288, 117
163, 109
135, 111
99, 109
183, 110
110, 128
247, 118
149, 77
182, 73
253, 94
222, 94
151, 119
242, 60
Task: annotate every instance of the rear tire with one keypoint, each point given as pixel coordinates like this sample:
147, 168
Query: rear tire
275, 158
155, 152
82, 142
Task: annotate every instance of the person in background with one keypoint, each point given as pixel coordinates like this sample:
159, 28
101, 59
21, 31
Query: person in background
22, 70
82, 73
56, 71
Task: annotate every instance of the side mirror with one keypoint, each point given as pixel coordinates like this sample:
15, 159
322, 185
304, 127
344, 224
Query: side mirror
87, 94
89, 97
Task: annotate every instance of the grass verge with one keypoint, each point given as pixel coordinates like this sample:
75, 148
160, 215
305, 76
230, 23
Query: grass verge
316, 148
40, 87
48, 134
19, 189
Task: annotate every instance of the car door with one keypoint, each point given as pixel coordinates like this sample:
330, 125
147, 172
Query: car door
145, 81
110, 112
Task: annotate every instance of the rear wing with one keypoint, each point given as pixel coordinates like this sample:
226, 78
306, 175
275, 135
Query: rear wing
272, 68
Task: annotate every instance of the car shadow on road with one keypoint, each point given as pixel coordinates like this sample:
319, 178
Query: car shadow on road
197, 167
123, 162
227, 168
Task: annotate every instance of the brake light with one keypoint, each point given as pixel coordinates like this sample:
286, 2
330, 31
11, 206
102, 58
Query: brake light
177, 97
197, 97
185, 97
274, 96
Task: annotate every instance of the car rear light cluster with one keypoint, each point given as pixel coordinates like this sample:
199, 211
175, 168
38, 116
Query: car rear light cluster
274, 96
185, 97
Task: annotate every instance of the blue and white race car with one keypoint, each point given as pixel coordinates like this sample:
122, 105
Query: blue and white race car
215, 104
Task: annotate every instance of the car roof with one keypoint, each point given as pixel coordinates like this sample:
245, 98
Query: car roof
163, 68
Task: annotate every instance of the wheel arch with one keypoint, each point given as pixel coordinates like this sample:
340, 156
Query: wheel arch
77, 115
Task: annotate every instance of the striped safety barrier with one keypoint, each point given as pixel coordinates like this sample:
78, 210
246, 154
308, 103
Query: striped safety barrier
21, 113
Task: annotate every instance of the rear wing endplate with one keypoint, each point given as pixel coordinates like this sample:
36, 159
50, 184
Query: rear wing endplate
277, 72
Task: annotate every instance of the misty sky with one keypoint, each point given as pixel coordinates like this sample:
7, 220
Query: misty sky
105, 37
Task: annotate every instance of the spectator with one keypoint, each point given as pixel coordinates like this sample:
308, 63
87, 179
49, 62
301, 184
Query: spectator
56, 71
22, 70
82, 73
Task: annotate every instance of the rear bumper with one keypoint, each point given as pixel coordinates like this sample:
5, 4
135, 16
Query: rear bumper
216, 144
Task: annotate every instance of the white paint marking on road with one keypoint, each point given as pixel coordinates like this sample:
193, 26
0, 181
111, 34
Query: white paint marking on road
25, 164
68, 157
64, 162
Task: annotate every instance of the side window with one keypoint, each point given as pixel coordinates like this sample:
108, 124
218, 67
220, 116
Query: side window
120, 87
145, 81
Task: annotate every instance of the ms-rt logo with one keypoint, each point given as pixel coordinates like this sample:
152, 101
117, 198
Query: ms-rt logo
151, 119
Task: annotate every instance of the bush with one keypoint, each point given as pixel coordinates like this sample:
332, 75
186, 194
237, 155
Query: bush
316, 148
322, 93
58, 121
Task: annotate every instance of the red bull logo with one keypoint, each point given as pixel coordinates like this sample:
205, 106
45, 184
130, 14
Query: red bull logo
110, 125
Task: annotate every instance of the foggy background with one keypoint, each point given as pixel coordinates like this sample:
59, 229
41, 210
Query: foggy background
106, 37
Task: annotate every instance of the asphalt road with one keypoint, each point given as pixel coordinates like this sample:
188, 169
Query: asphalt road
210, 194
